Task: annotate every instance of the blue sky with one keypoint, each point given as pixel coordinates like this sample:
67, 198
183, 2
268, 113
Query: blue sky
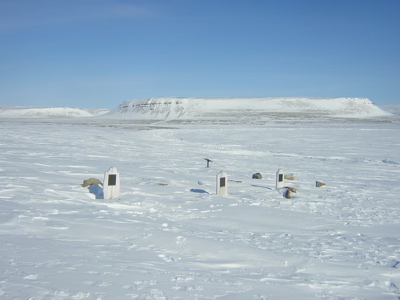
99, 53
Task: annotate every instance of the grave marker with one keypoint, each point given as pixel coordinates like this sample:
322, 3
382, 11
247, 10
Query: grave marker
222, 184
208, 162
111, 184
280, 179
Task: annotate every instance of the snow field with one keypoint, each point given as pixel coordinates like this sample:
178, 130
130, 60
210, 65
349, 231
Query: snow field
168, 236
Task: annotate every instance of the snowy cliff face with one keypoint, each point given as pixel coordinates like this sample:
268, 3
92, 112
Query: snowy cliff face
191, 108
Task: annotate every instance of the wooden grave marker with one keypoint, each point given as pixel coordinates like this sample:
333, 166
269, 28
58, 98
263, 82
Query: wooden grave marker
222, 184
111, 183
280, 179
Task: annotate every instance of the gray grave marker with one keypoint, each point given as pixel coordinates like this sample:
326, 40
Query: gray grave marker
111, 183
280, 179
222, 184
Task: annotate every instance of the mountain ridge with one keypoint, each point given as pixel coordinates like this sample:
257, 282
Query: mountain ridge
31, 112
215, 108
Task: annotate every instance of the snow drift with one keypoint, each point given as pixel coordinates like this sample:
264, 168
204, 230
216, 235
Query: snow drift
192, 108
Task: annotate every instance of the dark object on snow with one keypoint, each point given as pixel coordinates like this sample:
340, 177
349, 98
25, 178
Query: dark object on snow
319, 184
257, 176
208, 162
396, 265
288, 192
91, 181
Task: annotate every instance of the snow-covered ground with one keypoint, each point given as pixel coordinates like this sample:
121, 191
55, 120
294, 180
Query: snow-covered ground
169, 236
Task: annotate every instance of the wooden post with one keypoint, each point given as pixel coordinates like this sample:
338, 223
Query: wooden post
208, 162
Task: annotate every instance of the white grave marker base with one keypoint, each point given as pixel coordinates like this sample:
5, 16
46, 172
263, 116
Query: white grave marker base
111, 184
222, 184
280, 179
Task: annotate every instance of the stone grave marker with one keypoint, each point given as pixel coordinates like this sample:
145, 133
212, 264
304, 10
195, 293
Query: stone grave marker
111, 183
280, 179
222, 184
257, 176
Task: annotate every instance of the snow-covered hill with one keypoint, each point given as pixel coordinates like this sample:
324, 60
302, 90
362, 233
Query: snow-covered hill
209, 109
199, 108
48, 112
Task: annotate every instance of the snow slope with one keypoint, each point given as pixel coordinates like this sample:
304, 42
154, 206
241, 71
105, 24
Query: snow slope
192, 108
169, 236
394, 109
48, 112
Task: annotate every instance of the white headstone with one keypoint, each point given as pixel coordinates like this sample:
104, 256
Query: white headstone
222, 184
280, 179
111, 183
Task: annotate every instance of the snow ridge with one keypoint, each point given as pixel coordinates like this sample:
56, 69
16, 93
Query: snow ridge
187, 108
